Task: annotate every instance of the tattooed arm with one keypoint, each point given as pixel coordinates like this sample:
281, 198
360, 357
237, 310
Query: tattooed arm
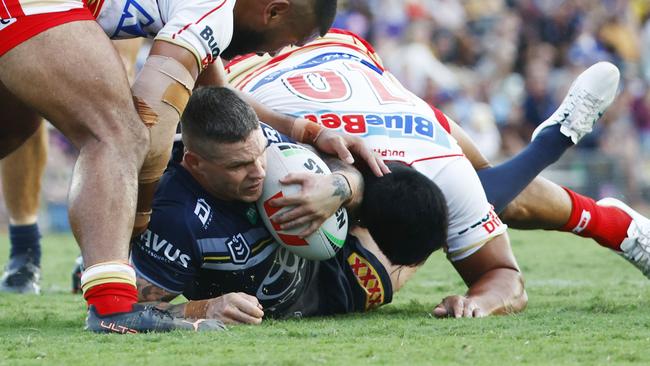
320, 197
231, 308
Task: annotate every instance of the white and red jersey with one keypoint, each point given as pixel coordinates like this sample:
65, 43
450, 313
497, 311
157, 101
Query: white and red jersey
339, 82
204, 27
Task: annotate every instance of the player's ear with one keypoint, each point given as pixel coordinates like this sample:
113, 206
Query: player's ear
191, 159
275, 10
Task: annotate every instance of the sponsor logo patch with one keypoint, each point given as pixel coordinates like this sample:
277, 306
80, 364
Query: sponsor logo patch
394, 125
161, 249
585, 218
4, 23
203, 211
208, 35
368, 279
489, 222
117, 328
134, 20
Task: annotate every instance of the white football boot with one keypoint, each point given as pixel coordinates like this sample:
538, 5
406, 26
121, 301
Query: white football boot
588, 98
636, 246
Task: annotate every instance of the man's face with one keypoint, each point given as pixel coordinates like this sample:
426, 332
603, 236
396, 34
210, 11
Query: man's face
237, 170
277, 35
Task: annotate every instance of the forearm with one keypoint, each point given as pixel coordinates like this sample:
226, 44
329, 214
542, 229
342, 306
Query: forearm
499, 292
351, 185
496, 285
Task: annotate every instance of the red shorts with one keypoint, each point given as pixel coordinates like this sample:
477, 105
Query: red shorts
19, 23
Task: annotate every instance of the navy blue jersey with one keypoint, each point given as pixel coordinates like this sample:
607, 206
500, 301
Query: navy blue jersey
203, 247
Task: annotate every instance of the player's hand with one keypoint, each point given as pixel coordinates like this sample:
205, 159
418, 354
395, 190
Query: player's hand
318, 199
235, 308
343, 146
458, 306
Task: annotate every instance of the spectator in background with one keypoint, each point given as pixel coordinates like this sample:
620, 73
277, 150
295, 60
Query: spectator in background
506, 62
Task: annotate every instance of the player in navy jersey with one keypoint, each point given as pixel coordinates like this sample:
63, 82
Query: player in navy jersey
462, 252
206, 241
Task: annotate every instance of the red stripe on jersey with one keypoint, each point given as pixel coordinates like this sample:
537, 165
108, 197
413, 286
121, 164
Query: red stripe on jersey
283, 56
442, 119
237, 59
434, 157
356, 37
12, 9
200, 19
211, 11
4, 11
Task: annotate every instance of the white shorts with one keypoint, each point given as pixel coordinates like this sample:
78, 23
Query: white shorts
472, 220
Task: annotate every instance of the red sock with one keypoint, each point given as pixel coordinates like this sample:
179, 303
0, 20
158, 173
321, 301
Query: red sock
606, 225
112, 297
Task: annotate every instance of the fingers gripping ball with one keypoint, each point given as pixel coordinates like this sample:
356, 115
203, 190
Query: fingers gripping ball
325, 242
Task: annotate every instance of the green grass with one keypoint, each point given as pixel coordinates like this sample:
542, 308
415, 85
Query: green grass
586, 306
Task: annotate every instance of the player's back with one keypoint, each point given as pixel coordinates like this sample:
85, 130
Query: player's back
341, 84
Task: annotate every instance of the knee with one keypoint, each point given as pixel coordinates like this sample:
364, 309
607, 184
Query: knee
139, 138
124, 137
515, 213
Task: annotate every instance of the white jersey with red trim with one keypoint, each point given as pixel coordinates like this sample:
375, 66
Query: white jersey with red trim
340, 83
204, 27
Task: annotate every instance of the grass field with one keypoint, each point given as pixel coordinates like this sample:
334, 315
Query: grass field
586, 306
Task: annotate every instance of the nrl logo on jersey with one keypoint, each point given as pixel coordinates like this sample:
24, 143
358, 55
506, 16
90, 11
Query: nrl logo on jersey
4, 23
239, 249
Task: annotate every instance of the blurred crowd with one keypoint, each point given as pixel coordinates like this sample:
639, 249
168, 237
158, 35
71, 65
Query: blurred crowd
501, 67
498, 68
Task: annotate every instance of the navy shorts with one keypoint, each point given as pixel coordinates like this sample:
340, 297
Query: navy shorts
353, 281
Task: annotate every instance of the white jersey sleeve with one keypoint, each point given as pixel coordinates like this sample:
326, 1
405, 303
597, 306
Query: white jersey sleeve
472, 220
204, 27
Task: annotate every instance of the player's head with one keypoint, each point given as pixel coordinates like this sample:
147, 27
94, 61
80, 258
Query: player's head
269, 25
224, 144
406, 214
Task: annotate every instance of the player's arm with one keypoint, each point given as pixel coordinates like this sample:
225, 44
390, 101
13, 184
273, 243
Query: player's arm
496, 285
231, 308
320, 196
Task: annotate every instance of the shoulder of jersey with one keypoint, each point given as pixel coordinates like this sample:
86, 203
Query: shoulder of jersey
244, 67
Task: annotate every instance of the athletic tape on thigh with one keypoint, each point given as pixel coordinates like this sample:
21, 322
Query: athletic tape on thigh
160, 94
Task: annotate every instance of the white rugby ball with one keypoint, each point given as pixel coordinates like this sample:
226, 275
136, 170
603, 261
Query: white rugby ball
285, 158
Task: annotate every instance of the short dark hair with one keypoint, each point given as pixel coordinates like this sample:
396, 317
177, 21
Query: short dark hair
216, 115
406, 214
325, 12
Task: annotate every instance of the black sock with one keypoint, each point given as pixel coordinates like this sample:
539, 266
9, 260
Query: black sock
26, 240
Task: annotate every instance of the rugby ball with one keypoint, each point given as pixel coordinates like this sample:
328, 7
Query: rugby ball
285, 158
